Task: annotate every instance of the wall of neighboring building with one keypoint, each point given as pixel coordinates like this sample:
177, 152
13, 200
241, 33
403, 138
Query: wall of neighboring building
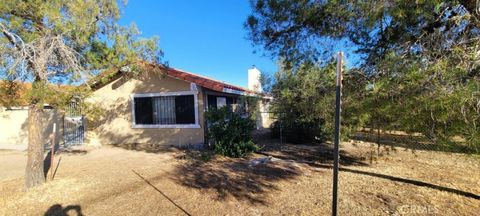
264, 119
14, 128
114, 127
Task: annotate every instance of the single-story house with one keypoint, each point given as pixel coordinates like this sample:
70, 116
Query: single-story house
163, 106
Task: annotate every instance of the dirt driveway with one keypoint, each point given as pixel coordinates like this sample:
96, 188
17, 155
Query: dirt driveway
116, 181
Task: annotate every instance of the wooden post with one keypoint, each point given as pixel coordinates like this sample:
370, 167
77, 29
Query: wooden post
338, 104
52, 150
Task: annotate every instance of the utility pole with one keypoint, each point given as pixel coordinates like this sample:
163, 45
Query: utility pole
338, 104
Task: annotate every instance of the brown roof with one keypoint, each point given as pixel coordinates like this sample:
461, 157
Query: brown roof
203, 81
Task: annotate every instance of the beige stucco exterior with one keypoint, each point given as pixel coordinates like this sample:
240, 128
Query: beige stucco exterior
14, 128
114, 127
264, 119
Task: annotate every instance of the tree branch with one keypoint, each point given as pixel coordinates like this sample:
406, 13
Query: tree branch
17, 42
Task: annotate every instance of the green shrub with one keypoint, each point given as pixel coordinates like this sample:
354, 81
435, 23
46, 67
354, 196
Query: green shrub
230, 133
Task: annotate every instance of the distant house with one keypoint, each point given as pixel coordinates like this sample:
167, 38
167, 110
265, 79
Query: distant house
163, 106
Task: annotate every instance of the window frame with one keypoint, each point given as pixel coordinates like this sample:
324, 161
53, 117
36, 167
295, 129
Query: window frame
160, 94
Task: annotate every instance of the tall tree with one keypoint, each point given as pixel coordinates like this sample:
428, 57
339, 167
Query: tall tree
62, 40
420, 57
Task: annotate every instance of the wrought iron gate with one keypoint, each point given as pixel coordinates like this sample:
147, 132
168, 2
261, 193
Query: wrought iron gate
73, 124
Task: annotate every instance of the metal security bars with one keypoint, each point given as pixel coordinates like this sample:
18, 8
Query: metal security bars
73, 124
165, 110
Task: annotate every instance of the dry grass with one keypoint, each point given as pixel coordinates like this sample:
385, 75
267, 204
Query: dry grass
115, 181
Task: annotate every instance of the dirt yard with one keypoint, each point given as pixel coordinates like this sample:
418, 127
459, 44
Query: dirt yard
297, 181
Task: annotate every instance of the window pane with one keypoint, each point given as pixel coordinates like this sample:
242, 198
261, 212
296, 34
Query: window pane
143, 110
230, 100
164, 110
185, 109
212, 101
221, 102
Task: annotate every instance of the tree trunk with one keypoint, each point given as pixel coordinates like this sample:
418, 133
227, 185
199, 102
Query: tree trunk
34, 174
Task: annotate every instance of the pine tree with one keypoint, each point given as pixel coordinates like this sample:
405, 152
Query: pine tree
420, 58
45, 41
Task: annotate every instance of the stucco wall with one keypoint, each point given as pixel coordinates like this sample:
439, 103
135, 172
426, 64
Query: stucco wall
264, 119
14, 128
115, 125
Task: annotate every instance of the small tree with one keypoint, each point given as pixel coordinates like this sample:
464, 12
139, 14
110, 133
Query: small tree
62, 41
302, 102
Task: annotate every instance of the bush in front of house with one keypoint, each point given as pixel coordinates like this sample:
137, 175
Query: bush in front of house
230, 133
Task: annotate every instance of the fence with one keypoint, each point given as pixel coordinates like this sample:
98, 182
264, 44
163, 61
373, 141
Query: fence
14, 127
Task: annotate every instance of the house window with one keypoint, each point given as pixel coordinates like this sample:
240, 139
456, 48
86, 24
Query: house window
216, 102
221, 102
165, 110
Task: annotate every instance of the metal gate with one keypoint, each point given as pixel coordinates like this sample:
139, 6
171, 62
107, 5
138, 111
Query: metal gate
73, 124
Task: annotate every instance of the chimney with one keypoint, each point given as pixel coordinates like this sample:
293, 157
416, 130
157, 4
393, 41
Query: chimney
254, 79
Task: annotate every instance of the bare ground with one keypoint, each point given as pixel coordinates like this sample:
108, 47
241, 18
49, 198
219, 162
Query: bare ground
116, 181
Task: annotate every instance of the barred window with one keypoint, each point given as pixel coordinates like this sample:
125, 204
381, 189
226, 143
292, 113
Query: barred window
152, 110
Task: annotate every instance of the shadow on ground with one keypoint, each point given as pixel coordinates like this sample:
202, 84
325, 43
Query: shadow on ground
312, 154
235, 178
146, 147
416, 142
239, 179
413, 182
162, 193
57, 158
321, 156
59, 210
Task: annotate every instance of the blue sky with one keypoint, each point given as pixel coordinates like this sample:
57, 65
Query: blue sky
204, 37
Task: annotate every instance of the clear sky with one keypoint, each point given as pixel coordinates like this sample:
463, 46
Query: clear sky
204, 37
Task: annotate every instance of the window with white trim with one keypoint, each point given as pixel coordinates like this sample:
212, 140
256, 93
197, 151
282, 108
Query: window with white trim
170, 109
